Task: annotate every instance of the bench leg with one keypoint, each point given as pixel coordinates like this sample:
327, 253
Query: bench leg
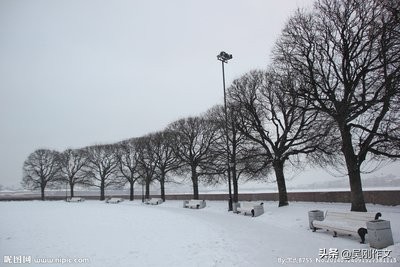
252, 213
334, 234
362, 232
314, 229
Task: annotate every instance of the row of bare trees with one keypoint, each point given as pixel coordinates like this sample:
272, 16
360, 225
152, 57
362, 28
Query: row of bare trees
190, 147
348, 55
331, 96
332, 93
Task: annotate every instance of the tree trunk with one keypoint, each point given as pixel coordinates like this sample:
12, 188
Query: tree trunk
357, 195
102, 191
162, 185
195, 181
235, 183
42, 192
71, 186
147, 194
353, 168
280, 180
131, 192
235, 191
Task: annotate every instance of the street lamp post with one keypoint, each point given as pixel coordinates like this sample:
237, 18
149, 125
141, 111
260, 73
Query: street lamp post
224, 57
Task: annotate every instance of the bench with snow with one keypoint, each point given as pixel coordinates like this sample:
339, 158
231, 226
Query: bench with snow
194, 204
348, 223
75, 199
114, 200
250, 208
154, 201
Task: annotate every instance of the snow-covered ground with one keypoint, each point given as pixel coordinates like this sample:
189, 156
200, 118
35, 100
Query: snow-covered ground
94, 233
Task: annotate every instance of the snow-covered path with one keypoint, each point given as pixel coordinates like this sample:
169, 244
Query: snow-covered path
93, 233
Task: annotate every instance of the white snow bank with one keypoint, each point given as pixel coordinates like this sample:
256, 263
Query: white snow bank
93, 233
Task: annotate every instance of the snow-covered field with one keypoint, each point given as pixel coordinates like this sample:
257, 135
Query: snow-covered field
94, 233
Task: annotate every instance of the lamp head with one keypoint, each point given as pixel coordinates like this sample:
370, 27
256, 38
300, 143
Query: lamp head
224, 57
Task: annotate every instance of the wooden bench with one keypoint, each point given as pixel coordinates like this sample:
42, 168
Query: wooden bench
250, 208
194, 204
348, 223
114, 200
75, 199
154, 201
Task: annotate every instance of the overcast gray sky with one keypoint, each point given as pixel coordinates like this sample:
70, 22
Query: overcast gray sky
77, 73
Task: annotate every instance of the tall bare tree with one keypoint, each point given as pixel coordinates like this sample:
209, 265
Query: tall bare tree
72, 163
102, 167
270, 115
247, 159
146, 162
193, 141
41, 169
349, 54
164, 157
128, 161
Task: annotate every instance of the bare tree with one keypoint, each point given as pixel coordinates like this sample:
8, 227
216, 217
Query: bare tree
349, 54
269, 114
128, 161
164, 158
41, 169
72, 163
102, 167
246, 157
146, 162
193, 141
